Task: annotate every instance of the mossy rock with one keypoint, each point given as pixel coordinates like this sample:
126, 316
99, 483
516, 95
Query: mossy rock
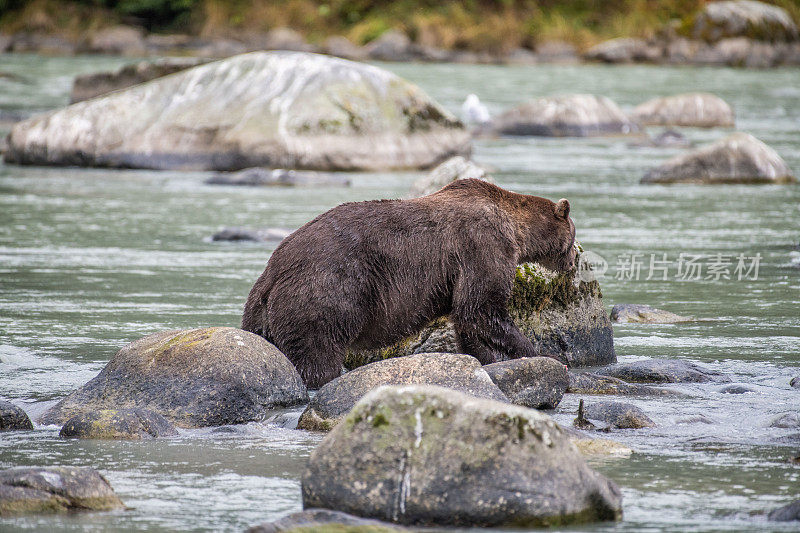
193, 378
13, 418
118, 424
562, 314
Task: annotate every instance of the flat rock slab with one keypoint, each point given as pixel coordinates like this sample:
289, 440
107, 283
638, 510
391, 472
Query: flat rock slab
263, 109
251, 235
787, 513
193, 378
323, 520
118, 424
279, 177
28, 490
425, 455
663, 371
738, 158
535, 382
619, 415
591, 383
699, 110
579, 115
13, 418
638, 313
454, 371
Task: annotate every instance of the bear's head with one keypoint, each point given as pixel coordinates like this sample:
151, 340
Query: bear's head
550, 236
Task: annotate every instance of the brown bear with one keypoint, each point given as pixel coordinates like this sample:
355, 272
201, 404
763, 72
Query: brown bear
369, 274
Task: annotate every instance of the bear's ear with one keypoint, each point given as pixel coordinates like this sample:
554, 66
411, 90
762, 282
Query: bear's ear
562, 208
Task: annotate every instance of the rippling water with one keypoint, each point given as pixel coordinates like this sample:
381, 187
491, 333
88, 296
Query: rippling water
93, 259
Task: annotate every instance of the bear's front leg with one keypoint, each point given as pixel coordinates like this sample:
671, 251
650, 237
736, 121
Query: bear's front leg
486, 330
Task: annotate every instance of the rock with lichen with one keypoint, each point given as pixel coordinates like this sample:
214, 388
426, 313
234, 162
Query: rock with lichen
453, 371
193, 378
32, 490
13, 418
535, 382
118, 424
291, 110
562, 315
425, 455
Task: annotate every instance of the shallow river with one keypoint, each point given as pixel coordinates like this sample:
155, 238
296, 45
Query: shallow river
93, 259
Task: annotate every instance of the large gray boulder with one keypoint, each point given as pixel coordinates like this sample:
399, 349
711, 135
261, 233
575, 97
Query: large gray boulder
743, 18
13, 418
86, 86
289, 110
535, 382
562, 314
578, 115
424, 455
701, 110
26, 490
453, 371
738, 158
193, 378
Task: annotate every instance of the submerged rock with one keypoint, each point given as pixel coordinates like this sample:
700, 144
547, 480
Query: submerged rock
735, 389
453, 371
639, 313
277, 177
700, 110
27, 490
590, 383
424, 455
273, 109
13, 418
251, 235
664, 371
324, 520
743, 18
455, 168
562, 314
87, 86
535, 382
665, 139
118, 424
619, 415
194, 378
795, 382
786, 420
738, 158
787, 513
579, 115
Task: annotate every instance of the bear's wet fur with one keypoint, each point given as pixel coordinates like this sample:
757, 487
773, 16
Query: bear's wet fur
369, 274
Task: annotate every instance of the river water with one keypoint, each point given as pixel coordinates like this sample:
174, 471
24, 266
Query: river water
91, 259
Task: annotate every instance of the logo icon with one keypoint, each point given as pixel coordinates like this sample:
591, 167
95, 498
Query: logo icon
591, 266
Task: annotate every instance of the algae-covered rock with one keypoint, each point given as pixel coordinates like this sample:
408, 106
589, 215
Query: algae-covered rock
664, 371
453, 371
738, 158
13, 418
194, 378
424, 455
324, 521
743, 18
117, 424
28, 490
700, 110
289, 110
644, 314
578, 115
535, 382
562, 314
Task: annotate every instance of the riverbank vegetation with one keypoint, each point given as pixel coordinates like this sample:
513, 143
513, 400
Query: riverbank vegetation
494, 26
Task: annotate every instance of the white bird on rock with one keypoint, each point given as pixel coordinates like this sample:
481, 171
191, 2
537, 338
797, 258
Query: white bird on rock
473, 111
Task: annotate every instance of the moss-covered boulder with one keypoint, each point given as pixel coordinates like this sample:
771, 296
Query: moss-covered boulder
453, 371
576, 115
738, 158
425, 455
28, 490
13, 418
290, 110
743, 18
700, 110
535, 382
118, 424
562, 314
324, 521
193, 378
